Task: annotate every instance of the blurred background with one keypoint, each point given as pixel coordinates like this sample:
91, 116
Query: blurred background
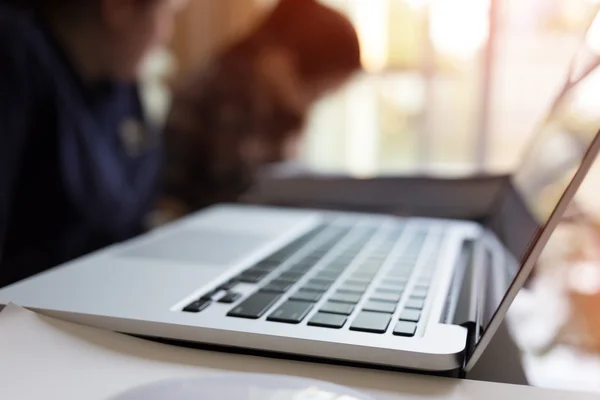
451, 85
451, 88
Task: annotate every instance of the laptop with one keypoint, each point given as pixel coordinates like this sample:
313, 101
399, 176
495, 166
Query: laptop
396, 292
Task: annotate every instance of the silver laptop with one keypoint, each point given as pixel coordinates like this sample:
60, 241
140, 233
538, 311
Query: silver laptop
414, 293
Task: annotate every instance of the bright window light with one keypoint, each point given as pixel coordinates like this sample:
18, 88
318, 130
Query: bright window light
459, 28
371, 21
593, 35
418, 4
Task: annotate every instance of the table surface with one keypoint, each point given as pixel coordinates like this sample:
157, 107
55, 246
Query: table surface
50, 359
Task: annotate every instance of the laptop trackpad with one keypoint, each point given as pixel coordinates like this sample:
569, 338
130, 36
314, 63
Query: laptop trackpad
200, 246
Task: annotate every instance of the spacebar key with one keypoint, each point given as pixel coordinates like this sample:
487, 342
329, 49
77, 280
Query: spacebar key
255, 306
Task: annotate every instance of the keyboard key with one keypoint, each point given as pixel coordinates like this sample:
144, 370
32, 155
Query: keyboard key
230, 298
351, 289
328, 321
252, 276
355, 247
364, 284
299, 268
345, 258
291, 276
278, 286
337, 268
317, 285
378, 306
371, 265
390, 289
265, 266
419, 294
307, 266
407, 261
197, 306
415, 304
309, 263
312, 258
385, 296
395, 281
337, 308
255, 306
291, 312
410, 315
378, 256
407, 329
279, 258
351, 298
258, 271
406, 266
371, 322
303, 295
351, 251
313, 288
420, 286
399, 274
287, 280
328, 275
362, 278
368, 273
362, 275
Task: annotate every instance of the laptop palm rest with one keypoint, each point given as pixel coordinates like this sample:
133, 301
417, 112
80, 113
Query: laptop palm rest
206, 247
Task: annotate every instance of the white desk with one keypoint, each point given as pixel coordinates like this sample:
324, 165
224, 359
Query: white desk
42, 358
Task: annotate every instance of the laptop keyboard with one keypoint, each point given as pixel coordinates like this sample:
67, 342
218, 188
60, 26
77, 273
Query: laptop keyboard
349, 275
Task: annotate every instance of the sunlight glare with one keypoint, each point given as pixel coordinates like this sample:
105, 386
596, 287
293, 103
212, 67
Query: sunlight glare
459, 28
593, 35
418, 4
371, 21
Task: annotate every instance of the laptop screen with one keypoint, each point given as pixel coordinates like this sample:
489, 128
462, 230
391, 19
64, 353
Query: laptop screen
563, 139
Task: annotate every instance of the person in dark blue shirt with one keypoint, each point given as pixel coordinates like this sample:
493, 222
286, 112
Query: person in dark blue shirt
78, 164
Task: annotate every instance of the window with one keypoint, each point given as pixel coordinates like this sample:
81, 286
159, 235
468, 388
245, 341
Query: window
426, 102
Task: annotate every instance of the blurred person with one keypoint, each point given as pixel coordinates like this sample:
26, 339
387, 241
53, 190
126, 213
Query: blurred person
247, 107
80, 168
78, 163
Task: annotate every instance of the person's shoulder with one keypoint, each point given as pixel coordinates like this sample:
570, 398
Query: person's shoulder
17, 33
14, 23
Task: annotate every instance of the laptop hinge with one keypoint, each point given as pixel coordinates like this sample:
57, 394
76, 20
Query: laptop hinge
467, 292
472, 339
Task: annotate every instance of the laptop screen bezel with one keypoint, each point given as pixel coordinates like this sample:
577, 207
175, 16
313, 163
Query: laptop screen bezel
533, 251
